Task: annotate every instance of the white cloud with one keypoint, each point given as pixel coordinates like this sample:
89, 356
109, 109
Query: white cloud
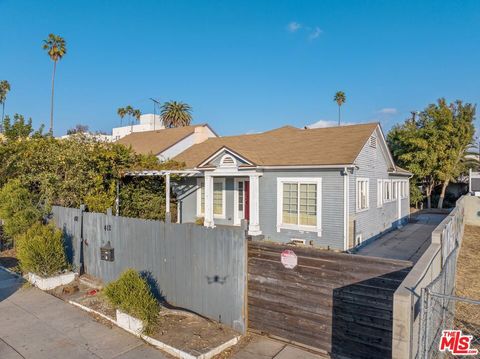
315, 33
327, 123
294, 26
388, 111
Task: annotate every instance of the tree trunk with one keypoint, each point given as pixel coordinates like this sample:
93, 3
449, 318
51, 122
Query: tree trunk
3, 111
429, 195
339, 115
53, 91
442, 194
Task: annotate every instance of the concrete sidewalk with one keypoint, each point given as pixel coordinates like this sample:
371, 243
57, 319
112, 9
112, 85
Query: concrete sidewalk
34, 324
407, 243
266, 348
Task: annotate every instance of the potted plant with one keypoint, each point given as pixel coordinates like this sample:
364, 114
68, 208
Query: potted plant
136, 308
41, 253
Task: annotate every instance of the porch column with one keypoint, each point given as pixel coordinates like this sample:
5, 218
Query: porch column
208, 221
254, 222
167, 197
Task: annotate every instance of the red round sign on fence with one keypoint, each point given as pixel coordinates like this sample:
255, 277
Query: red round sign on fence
289, 259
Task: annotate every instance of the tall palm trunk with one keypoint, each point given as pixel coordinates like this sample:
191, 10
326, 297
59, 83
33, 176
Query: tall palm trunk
53, 91
442, 194
3, 111
339, 114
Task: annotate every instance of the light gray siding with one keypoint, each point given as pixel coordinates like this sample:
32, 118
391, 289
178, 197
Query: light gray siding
373, 164
332, 208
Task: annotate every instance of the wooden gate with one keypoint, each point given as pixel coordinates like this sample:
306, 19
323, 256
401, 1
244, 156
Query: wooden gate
339, 303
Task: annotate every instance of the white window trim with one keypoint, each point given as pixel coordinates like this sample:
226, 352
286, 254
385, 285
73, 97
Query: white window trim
389, 184
236, 219
199, 197
357, 194
379, 193
298, 227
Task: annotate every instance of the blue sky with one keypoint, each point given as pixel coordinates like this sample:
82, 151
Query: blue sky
244, 66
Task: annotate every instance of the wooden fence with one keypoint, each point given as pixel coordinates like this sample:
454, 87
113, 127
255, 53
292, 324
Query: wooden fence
336, 302
191, 267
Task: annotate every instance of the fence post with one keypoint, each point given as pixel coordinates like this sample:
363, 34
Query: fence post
426, 327
81, 270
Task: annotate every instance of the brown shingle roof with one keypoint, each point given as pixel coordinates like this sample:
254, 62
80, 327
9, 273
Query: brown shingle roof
155, 142
288, 146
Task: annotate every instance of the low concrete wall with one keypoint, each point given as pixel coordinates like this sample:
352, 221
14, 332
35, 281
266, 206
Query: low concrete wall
407, 298
472, 210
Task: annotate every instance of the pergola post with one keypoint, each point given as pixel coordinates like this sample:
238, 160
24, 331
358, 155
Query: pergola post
167, 197
208, 221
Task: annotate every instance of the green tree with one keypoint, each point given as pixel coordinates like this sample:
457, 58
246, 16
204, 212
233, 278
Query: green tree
414, 148
4, 89
340, 99
56, 48
454, 132
176, 114
19, 128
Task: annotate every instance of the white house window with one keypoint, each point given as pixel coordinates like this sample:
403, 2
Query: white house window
299, 204
218, 198
403, 189
379, 193
387, 191
362, 194
394, 190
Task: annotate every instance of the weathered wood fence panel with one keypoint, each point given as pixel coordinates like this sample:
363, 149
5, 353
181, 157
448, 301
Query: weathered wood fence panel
69, 220
336, 302
190, 266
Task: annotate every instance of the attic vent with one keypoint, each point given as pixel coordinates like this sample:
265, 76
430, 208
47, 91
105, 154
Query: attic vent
228, 161
373, 141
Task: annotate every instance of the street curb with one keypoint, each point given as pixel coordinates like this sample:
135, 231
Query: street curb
160, 345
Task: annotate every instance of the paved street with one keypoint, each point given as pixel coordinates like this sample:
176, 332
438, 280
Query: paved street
34, 324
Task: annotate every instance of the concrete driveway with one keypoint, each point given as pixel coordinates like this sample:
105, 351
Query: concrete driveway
34, 324
407, 243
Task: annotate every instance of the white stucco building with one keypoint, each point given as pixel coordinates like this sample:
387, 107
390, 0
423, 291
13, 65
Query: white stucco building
147, 122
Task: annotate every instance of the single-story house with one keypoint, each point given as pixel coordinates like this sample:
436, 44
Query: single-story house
166, 143
331, 187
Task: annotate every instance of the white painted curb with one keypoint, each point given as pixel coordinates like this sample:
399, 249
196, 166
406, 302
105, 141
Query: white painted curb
50, 282
160, 345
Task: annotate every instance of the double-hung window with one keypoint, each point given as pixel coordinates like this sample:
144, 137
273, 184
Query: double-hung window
299, 204
218, 198
379, 193
387, 191
362, 194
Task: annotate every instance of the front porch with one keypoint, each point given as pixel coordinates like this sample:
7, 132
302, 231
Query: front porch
227, 198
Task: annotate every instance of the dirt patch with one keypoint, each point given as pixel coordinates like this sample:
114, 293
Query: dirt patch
8, 259
180, 329
468, 280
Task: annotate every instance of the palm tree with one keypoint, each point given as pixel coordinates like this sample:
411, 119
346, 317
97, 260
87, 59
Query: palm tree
122, 112
132, 113
4, 88
340, 99
176, 114
56, 49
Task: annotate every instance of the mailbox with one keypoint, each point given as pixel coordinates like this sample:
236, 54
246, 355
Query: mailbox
107, 253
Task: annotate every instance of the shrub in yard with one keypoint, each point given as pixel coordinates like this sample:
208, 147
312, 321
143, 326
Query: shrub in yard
18, 208
41, 250
131, 294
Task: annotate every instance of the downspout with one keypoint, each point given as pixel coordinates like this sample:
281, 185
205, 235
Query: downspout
345, 208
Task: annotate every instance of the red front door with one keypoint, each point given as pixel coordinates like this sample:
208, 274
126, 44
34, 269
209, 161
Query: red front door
247, 200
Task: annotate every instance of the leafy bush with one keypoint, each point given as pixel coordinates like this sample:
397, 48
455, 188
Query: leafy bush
18, 208
41, 250
131, 294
